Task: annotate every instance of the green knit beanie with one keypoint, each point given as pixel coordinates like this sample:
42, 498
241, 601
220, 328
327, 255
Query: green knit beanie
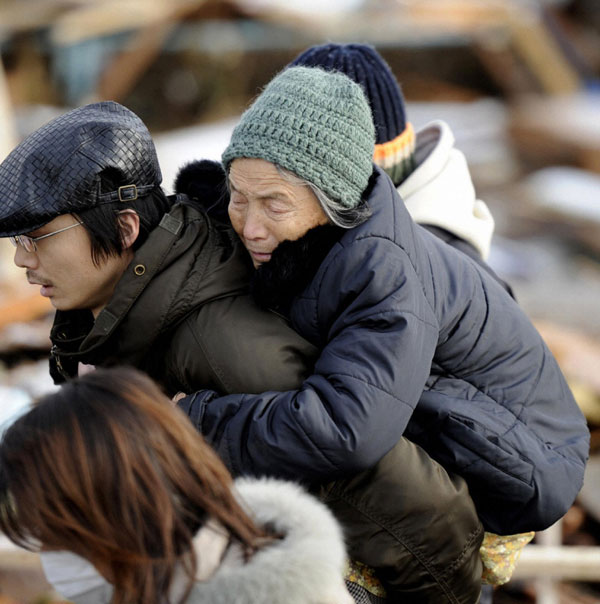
316, 124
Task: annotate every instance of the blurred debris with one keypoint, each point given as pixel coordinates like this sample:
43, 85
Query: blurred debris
13, 403
572, 192
19, 15
178, 147
123, 71
576, 562
589, 496
552, 281
515, 42
22, 579
578, 355
8, 132
20, 386
480, 128
22, 308
567, 198
31, 336
563, 130
32, 377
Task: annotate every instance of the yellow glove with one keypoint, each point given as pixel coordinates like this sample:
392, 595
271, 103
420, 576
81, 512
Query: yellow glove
499, 554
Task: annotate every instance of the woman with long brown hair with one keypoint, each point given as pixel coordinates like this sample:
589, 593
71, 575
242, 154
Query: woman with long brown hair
107, 469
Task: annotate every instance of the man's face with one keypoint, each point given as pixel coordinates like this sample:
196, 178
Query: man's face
63, 267
266, 209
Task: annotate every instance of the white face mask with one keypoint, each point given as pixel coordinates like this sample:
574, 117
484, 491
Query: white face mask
72, 577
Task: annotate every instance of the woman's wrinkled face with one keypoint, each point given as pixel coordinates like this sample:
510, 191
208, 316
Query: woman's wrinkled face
266, 209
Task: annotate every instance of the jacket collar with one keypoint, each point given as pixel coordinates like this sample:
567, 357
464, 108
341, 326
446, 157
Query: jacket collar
184, 263
292, 266
76, 333
205, 183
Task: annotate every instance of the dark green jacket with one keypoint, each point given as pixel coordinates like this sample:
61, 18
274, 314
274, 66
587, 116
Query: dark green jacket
182, 313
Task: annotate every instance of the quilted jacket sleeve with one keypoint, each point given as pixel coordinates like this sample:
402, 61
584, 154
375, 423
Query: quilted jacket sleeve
366, 300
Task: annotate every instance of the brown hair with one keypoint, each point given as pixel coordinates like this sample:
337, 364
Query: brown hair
107, 468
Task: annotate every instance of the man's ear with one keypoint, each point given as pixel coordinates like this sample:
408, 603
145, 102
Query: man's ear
129, 227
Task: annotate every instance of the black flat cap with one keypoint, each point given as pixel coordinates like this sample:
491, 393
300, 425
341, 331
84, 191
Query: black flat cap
56, 170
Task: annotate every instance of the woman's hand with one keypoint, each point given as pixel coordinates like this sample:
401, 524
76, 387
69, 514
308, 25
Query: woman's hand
177, 398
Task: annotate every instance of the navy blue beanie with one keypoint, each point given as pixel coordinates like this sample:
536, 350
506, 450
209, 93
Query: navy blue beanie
366, 67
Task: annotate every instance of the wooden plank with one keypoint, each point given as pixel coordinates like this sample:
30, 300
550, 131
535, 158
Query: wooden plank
22, 577
542, 54
125, 70
578, 563
121, 75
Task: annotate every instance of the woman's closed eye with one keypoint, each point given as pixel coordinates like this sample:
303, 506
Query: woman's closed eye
278, 206
237, 200
277, 210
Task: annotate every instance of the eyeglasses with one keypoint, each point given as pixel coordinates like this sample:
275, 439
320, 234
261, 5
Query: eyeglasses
29, 243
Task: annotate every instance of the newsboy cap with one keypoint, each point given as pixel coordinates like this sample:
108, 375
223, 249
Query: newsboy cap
56, 170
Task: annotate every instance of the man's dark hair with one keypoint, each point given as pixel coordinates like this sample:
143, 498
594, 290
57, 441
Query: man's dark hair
102, 222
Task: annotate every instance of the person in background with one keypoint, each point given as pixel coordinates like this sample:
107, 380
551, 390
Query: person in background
107, 468
430, 174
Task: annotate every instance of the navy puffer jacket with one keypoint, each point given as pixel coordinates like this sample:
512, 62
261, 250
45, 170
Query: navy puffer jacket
415, 338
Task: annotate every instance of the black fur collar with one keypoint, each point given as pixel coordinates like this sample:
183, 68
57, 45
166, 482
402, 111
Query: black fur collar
205, 183
292, 266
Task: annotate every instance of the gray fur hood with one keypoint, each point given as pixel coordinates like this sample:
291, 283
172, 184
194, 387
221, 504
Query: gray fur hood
305, 567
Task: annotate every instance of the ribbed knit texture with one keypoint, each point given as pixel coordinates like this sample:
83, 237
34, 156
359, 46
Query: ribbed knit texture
316, 124
397, 157
364, 65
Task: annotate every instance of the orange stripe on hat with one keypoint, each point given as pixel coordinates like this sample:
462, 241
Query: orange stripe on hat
388, 154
